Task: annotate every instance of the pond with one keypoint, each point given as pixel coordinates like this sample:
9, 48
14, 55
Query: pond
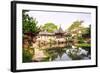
61, 52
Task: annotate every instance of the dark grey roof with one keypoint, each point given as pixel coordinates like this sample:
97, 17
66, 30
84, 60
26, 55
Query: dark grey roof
60, 30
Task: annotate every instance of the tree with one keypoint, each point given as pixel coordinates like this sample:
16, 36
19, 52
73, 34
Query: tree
29, 23
87, 32
75, 25
49, 27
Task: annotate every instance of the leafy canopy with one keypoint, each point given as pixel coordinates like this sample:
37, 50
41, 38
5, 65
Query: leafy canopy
29, 23
49, 27
75, 25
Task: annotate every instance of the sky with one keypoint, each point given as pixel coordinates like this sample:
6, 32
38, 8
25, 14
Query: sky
63, 19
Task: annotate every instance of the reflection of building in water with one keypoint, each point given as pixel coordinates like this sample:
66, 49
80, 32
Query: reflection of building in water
58, 35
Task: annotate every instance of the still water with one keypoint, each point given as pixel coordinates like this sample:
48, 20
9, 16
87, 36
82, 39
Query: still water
61, 52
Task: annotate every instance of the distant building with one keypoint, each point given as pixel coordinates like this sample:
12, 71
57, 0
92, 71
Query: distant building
58, 34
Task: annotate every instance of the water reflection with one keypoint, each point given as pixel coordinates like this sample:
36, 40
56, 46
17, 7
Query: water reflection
60, 52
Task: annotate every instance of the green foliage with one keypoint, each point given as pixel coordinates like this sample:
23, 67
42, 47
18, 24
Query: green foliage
27, 56
29, 23
49, 27
75, 24
87, 31
84, 45
80, 39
